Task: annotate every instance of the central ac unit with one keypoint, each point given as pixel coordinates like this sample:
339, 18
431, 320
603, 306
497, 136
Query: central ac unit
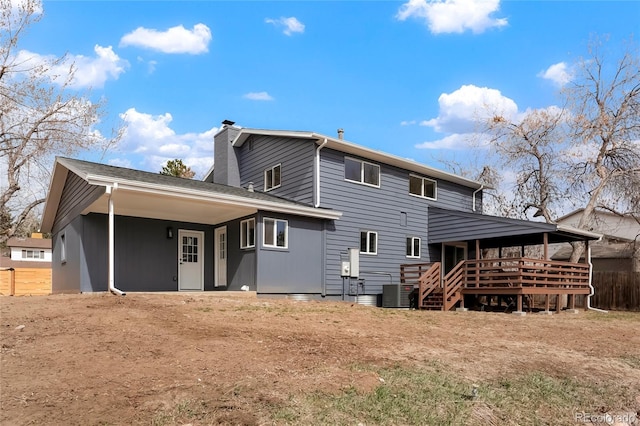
396, 295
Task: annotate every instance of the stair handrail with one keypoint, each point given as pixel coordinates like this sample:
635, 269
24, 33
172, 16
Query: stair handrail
451, 283
428, 282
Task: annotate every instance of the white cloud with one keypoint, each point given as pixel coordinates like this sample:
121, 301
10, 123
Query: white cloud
153, 138
258, 96
88, 71
174, 40
454, 16
408, 122
464, 110
290, 25
17, 9
456, 141
560, 74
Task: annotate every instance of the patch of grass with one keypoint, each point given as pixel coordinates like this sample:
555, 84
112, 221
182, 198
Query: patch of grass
632, 360
615, 316
182, 412
408, 396
205, 309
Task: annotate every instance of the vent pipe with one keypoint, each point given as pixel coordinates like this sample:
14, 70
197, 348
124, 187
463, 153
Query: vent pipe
341, 134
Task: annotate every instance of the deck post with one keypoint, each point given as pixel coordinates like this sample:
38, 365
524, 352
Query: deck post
519, 312
546, 311
545, 241
558, 305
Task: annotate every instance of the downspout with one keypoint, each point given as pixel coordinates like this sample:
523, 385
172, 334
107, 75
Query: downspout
474, 196
592, 290
112, 269
316, 204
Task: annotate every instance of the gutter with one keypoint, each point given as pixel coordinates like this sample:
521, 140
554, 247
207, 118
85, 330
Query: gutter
111, 279
316, 203
474, 196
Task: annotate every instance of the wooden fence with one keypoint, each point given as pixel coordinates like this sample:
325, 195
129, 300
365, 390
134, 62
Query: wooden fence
616, 290
25, 282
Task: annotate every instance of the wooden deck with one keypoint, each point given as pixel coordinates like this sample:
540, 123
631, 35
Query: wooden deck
500, 277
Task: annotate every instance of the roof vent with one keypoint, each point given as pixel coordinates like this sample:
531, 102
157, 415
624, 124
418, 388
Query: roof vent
340, 134
250, 187
226, 123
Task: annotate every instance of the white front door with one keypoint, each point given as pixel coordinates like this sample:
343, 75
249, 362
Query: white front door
190, 260
220, 253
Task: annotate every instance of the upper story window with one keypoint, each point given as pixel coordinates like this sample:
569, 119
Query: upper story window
248, 233
413, 247
33, 254
272, 177
275, 233
422, 187
368, 242
361, 172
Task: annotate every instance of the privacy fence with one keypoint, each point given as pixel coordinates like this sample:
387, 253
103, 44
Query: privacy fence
25, 281
616, 291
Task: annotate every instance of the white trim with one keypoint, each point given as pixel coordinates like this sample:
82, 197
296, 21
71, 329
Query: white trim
201, 258
216, 256
275, 233
242, 240
374, 253
362, 163
272, 169
413, 256
422, 178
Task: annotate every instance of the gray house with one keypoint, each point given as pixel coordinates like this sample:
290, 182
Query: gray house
282, 213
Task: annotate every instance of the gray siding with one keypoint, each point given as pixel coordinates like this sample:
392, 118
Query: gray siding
377, 209
76, 196
65, 276
299, 267
296, 157
146, 260
241, 263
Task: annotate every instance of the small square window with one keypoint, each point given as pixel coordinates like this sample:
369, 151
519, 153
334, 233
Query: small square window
368, 242
413, 247
272, 177
63, 248
275, 233
248, 233
422, 187
361, 172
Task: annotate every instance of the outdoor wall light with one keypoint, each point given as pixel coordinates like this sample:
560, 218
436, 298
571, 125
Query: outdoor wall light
169, 232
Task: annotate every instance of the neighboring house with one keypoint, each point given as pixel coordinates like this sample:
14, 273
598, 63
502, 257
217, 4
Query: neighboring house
28, 268
279, 214
619, 249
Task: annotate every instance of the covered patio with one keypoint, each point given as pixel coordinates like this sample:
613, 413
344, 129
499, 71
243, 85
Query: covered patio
483, 257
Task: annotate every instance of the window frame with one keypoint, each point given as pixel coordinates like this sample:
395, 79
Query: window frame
362, 170
368, 242
275, 233
63, 247
422, 182
244, 234
25, 254
270, 181
413, 255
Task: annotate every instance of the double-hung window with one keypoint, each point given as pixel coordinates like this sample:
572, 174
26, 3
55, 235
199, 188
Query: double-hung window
248, 233
413, 247
275, 233
361, 172
422, 187
368, 242
272, 177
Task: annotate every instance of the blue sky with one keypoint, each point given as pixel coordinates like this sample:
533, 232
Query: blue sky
408, 78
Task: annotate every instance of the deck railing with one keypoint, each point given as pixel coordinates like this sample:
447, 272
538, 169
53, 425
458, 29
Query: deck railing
451, 284
531, 275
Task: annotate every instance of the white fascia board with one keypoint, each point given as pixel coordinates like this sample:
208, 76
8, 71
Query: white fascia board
148, 188
56, 185
572, 230
355, 149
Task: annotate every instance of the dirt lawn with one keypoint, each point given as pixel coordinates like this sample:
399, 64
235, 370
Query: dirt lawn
224, 359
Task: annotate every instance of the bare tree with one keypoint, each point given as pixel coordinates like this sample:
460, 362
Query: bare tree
587, 153
178, 169
40, 117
